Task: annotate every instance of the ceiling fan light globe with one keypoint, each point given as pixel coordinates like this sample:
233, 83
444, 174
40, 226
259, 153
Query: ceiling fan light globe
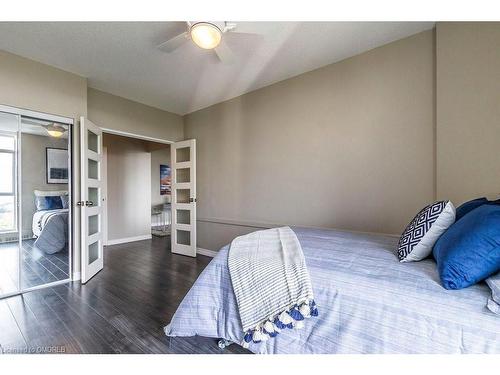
56, 131
205, 35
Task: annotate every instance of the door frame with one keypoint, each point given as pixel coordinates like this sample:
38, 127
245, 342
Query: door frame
22, 112
105, 159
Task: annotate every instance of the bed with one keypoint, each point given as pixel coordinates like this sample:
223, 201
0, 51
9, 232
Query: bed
50, 227
368, 302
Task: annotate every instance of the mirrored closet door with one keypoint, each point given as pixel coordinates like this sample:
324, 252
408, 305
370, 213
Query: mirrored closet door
35, 202
9, 239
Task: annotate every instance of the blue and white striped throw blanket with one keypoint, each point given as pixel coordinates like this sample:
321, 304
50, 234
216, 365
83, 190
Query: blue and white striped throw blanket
271, 283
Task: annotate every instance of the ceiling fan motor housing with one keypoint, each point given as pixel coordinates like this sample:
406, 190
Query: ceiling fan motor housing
221, 25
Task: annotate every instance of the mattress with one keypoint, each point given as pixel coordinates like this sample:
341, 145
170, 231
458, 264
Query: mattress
368, 302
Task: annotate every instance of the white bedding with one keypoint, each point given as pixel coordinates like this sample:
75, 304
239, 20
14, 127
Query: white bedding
40, 218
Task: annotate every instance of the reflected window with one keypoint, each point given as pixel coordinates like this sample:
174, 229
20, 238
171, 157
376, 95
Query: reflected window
7, 183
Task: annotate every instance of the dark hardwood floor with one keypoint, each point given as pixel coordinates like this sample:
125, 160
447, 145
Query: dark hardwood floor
123, 309
37, 267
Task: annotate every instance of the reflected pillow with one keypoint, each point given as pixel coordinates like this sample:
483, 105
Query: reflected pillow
424, 230
469, 251
48, 203
48, 193
65, 200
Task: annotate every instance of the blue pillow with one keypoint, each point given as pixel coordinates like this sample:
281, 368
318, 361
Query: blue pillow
467, 207
54, 202
49, 203
469, 251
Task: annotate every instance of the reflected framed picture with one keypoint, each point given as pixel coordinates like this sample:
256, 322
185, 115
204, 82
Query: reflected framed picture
165, 180
57, 165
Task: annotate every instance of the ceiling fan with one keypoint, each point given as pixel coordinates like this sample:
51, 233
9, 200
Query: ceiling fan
207, 35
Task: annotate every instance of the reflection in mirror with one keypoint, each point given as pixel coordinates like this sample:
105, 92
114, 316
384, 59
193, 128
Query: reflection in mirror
45, 194
9, 240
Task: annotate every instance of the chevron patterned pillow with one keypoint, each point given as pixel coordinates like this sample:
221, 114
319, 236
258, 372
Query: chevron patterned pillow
427, 226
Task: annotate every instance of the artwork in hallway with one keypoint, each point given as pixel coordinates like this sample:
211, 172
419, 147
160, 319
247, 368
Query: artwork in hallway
165, 179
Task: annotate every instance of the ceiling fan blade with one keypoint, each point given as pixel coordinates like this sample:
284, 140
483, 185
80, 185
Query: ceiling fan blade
239, 28
238, 32
174, 43
224, 53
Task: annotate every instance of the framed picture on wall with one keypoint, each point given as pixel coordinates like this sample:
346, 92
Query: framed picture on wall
57, 165
165, 180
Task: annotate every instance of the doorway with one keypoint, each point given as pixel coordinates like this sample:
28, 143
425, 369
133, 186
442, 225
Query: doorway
122, 201
138, 189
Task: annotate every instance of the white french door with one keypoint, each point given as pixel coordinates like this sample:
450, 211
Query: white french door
91, 203
183, 159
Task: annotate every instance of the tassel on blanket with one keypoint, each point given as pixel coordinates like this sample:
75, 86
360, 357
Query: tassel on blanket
270, 329
259, 336
305, 310
295, 314
292, 318
314, 309
247, 339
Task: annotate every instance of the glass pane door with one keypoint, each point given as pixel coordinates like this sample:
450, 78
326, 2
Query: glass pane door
183, 155
92, 256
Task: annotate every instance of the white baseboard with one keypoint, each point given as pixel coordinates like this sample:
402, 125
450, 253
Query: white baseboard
76, 276
206, 252
128, 239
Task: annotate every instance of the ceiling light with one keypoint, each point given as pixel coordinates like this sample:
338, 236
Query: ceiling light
55, 131
205, 35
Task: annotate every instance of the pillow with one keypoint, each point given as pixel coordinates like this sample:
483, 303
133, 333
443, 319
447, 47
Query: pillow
45, 193
40, 203
48, 203
65, 200
494, 302
469, 251
424, 230
467, 207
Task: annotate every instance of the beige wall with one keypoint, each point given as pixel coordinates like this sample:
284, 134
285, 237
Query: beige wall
28, 84
34, 173
348, 146
468, 110
129, 187
215, 235
113, 112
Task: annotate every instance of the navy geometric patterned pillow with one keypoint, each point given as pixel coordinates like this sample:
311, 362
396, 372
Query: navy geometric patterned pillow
427, 226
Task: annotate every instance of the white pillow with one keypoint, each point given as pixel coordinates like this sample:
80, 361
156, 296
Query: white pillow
44, 193
424, 230
494, 302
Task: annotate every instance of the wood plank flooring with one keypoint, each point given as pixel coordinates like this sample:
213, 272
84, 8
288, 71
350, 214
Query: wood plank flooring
37, 268
121, 310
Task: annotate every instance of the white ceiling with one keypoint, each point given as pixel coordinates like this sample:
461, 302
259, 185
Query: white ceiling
121, 57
